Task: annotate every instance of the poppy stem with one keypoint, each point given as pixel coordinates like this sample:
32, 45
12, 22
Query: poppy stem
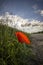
24, 45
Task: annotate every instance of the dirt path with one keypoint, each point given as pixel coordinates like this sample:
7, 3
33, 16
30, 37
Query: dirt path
37, 39
37, 43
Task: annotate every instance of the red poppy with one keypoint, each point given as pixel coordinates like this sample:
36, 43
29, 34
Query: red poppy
22, 38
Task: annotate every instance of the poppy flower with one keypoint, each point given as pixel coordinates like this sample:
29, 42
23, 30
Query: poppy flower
22, 38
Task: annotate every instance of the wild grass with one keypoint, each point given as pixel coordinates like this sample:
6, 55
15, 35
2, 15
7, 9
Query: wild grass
13, 52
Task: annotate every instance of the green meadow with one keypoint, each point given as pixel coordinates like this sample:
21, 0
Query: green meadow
13, 52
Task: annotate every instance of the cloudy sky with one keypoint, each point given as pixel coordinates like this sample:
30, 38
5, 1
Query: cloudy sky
30, 9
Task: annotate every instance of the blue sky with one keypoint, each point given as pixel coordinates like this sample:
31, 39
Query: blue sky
30, 9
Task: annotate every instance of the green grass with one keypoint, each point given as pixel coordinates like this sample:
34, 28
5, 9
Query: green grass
13, 52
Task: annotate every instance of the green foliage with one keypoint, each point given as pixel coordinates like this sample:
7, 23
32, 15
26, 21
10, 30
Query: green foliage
11, 51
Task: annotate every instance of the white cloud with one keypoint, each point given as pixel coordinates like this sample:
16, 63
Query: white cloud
36, 10
16, 21
39, 12
35, 6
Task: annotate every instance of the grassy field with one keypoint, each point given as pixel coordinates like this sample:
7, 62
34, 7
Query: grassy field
13, 52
